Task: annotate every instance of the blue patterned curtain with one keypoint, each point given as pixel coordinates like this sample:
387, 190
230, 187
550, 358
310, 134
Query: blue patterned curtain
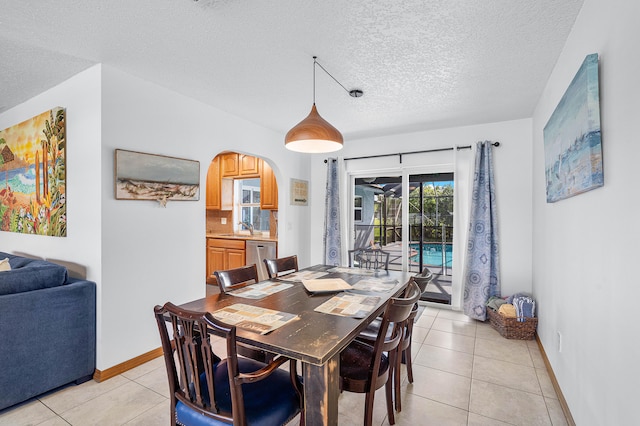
481, 268
332, 254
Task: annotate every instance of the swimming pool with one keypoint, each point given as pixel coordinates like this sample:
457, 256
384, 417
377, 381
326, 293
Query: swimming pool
432, 254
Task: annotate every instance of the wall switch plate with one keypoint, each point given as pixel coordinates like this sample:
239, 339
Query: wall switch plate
223, 220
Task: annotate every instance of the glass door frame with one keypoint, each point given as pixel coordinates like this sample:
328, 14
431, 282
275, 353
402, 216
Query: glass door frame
351, 179
404, 172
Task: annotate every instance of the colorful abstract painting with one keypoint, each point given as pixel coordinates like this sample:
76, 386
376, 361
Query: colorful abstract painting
141, 176
33, 176
572, 143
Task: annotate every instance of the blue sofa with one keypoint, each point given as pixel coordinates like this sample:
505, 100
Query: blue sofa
47, 329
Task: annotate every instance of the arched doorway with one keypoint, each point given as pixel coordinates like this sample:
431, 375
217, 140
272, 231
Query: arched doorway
241, 213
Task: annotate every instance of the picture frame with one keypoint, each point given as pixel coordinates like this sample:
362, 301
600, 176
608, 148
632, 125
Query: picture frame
299, 192
33, 175
572, 138
144, 176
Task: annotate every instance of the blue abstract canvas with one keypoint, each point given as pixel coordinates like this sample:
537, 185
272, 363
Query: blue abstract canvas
572, 143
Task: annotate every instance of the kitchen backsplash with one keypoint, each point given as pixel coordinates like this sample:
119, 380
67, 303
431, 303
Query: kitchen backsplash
215, 226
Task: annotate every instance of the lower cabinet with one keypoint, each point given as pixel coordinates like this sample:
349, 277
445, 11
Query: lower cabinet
223, 254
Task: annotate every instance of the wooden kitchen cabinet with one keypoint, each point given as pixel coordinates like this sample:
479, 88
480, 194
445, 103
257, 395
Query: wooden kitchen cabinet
249, 165
268, 188
229, 164
219, 190
213, 185
239, 165
224, 254
225, 167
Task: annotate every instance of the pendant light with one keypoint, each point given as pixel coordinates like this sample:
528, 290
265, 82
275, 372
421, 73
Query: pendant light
314, 134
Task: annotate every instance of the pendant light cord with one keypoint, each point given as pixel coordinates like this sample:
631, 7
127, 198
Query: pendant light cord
314, 78
354, 93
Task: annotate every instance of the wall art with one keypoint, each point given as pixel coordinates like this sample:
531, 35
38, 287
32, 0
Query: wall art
572, 142
299, 192
33, 175
141, 176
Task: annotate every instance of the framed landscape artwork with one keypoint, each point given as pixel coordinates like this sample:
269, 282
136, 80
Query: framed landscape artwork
572, 142
141, 176
33, 175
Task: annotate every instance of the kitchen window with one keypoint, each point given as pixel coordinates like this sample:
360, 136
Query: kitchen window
248, 203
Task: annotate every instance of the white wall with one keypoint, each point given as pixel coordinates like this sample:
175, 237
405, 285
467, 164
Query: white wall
153, 254
585, 247
139, 253
512, 163
81, 98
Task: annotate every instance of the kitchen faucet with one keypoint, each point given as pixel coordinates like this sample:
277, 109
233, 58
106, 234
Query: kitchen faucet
249, 227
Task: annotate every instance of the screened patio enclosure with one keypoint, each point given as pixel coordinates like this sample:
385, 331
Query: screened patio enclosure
377, 220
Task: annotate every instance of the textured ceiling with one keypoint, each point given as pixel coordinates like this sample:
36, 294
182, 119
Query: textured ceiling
422, 64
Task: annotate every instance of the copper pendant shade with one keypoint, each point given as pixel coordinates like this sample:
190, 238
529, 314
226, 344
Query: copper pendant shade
314, 134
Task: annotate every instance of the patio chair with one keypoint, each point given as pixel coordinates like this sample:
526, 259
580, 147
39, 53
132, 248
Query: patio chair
369, 258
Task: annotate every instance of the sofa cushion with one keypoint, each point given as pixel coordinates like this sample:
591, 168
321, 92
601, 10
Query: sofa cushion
30, 274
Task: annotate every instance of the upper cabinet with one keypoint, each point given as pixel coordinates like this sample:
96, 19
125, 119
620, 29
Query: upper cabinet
239, 165
229, 162
229, 166
213, 185
268, 188
249, 165
219, 189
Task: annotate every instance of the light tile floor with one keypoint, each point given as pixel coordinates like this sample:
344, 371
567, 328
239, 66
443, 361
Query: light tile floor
465, 373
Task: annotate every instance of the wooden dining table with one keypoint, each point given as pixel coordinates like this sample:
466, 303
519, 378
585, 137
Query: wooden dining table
313, 338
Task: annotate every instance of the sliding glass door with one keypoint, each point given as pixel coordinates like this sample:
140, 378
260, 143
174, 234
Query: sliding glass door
421, 238
431, 222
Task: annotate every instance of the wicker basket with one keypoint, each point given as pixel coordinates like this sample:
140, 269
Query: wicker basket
511, 328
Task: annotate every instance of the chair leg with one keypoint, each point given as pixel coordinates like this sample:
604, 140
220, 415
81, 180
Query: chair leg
368, 408
407, 361
397, 373
388, 387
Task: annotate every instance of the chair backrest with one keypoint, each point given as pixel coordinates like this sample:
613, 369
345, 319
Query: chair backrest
423, 279
396, 314
235, 278
283, 264
195, 371
369, 258
195, 362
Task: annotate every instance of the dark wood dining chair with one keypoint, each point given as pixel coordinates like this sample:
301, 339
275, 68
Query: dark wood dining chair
370, 334
365, 368
422, 280
369, 258
207, 390
232, 279
281, 265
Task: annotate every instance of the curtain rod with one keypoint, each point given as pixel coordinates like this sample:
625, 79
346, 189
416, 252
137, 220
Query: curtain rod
400, 154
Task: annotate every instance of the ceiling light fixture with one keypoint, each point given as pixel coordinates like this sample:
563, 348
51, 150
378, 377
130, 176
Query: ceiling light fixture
314, 134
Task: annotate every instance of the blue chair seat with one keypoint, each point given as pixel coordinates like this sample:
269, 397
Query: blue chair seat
269, 402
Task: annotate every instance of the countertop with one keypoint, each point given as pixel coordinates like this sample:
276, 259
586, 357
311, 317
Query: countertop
256, 237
